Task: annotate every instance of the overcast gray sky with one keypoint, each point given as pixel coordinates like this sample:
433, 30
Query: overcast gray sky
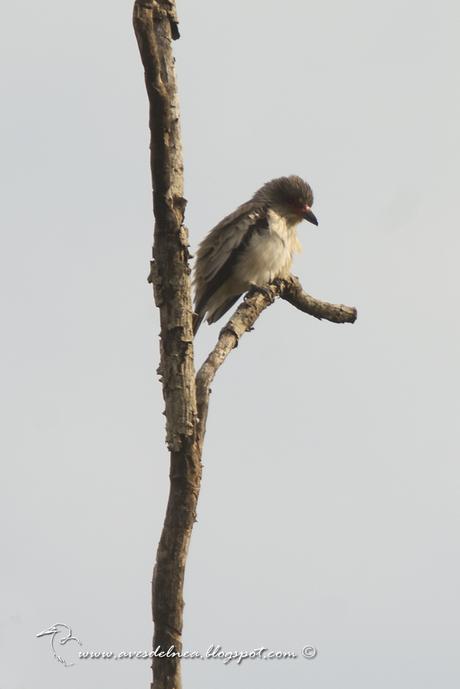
329, 512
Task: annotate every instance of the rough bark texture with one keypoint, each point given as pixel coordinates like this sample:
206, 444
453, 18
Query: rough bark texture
155, 25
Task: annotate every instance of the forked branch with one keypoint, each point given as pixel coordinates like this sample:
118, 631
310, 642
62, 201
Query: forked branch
186, 397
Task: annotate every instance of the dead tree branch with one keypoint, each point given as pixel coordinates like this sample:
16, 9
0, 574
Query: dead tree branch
243, 320
155, 25
186, 397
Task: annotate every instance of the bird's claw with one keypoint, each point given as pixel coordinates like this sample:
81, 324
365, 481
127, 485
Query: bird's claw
277, 282
264, 290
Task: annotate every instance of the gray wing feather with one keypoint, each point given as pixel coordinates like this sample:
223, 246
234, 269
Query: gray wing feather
215, 250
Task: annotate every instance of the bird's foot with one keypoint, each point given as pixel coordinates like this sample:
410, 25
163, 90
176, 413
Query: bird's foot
278, 282
264, 290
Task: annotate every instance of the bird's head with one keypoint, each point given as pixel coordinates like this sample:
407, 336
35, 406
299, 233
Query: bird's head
54, 629
290, 196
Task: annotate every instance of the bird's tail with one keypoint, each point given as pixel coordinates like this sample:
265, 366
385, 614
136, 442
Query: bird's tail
197, 320
223, 308
216, 314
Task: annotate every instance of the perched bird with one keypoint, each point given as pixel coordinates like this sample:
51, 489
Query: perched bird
250, 247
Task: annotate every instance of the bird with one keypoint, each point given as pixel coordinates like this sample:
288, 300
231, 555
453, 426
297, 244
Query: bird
251, 247
56, 630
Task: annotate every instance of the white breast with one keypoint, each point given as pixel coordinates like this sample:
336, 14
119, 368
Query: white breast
269, 254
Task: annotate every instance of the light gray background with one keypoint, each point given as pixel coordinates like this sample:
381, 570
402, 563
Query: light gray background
329, 511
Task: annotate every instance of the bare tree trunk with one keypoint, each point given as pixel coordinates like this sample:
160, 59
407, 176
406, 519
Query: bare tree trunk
155, 25
186, 398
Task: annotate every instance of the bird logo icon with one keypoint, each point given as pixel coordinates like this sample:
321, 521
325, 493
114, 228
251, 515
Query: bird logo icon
56, 631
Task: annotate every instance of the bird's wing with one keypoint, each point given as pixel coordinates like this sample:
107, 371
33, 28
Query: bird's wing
219, 251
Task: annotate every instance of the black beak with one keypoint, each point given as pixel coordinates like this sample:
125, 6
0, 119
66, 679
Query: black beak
310, 216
